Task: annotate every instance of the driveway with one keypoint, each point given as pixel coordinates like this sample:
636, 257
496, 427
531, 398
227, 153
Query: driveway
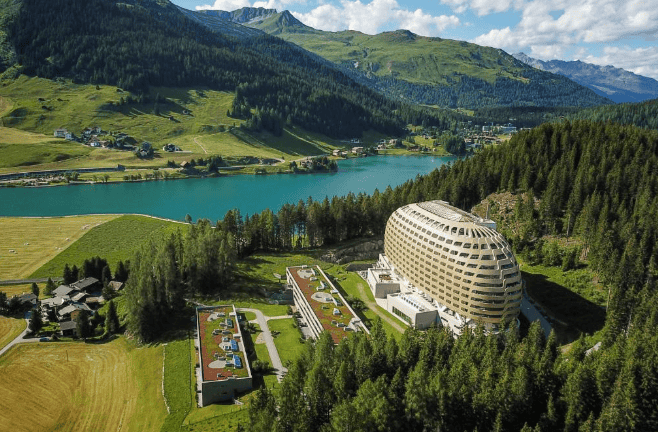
19, 339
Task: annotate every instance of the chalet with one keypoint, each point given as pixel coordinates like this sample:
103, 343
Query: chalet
60, 133
94, 302
67, 328
87, 284
116, 285
336, 152
79, 297
66, 312
28, 299
70, 136
357, 150
64, 290
381, 147
171, 148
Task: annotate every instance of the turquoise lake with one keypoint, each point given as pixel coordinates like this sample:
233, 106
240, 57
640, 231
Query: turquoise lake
212, 197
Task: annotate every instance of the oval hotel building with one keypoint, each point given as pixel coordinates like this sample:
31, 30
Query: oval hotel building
446, 260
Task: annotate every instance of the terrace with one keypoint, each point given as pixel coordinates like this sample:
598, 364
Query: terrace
330, 311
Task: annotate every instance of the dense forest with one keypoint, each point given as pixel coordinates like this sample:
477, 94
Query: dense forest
135, 45
538, 88
642, 114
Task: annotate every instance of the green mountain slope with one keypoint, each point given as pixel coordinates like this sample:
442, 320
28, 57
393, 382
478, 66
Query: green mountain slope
641, 114
434, 71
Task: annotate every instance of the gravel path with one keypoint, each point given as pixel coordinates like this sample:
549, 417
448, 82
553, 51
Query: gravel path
279, 370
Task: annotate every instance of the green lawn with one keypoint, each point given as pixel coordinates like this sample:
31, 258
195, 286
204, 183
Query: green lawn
32, 108
115, 240
347, 283
288, 342
178, 392
572, 297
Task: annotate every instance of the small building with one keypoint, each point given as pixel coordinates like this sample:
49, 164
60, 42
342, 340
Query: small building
66, 313
223, 366
60, 133
116, 285
88, 284
67, 328
28, 299
336, 152
357, 150
64, 290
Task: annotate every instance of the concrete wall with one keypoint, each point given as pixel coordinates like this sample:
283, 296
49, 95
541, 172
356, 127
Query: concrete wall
218, 391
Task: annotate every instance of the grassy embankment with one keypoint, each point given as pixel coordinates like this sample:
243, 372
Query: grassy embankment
115, 240
35, 241
9, 329
40, 106
77, 386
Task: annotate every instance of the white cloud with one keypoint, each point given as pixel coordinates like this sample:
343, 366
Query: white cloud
483, 7
226, 5
231, 5
588, 22
371, 17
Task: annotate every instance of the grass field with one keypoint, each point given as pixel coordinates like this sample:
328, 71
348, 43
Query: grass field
115, 240
572, 297
287, 342
9, 329
178, 383
12, 290
77, 386
35, 241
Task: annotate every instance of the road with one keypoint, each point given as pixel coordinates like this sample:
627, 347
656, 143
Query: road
19, 339
261, 319
375, 308
27, 281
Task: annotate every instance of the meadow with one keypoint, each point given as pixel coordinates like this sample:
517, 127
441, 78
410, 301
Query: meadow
35, 241
77, 386
194, 119
9, 329
115, 240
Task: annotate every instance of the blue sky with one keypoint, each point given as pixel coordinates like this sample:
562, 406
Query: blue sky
622, 33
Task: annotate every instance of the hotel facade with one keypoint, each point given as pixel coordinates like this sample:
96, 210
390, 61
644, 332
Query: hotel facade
446, 267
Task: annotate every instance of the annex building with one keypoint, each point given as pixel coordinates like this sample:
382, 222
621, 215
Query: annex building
444, 266
223, 368
321, 305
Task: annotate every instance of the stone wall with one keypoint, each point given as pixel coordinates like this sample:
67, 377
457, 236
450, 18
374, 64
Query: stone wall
367, 250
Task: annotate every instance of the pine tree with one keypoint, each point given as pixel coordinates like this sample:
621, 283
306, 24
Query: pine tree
111, 319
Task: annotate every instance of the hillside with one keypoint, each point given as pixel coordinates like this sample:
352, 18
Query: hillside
617, 84
429, 70
642, 114
137, 45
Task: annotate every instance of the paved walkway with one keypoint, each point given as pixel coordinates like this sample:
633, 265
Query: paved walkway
261, 319
375, 308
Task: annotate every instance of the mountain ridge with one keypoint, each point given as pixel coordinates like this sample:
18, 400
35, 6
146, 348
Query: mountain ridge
430, 71
614, 83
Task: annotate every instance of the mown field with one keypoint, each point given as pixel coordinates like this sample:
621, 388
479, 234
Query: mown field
9, 329
115, 240
35, 241
40, 106
77, 386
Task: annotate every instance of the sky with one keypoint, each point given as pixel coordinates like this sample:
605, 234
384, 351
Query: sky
621, 33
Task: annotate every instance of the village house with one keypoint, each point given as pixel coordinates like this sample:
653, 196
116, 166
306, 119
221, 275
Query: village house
60, 133
67, 328
357, 150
